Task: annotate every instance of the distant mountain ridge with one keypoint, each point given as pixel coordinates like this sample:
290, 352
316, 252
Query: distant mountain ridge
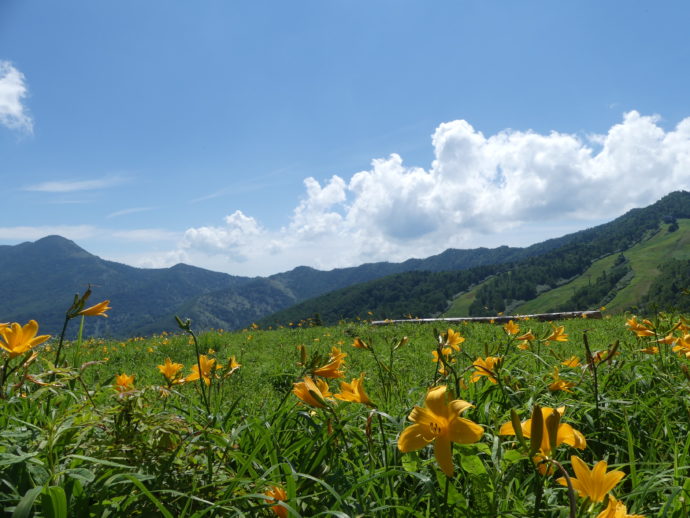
501, 286
39, 280
41, 277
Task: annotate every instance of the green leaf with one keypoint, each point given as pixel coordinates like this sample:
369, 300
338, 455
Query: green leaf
472, 465
23, 509
7, 459
512, 456
82, 474
150, 496
54, 502
99, 461
410, 462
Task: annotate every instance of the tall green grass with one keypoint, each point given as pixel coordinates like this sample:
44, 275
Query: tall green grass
77, 447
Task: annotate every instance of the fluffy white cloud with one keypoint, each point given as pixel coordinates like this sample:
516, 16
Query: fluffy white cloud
315, 215
12, 92
478, 191
236, 238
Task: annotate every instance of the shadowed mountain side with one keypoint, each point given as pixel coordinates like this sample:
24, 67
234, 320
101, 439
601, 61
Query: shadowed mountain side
41, 278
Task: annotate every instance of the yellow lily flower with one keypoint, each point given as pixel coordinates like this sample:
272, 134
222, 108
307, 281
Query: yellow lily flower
594, 484
640, 329
485, 367
565, 433
442, 366
557, 335
312, 393
617, 509
123, 382
439, 422
668, 340
526, 336
354, 392
453, 339
16, 339
682, 346
170, 370
207, 365
573, 361
96, 311
232, 366
512, 328
332, 368
360, 344
653, 349
277, 493
559, 383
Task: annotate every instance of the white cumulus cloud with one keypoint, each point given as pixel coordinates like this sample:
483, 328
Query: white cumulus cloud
13, 90
478, 191
236, 238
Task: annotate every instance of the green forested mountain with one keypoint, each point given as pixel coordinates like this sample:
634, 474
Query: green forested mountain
533, 273
549, 270
39, 280
672, 286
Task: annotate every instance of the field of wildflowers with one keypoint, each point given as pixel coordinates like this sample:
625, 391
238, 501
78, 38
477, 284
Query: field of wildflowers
585, 418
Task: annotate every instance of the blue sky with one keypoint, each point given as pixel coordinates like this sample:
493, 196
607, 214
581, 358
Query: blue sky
253, 137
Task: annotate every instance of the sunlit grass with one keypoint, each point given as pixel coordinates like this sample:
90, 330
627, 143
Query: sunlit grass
104, 431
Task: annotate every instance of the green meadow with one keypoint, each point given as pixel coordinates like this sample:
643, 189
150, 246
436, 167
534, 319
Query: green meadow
102, 432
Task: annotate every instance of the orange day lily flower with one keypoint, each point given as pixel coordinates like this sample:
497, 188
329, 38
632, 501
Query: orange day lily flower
17, 340
559, 383
511, 328
207, 365
439, 422
354, 392
453, 339
96, 311
565, 433
277, 493
123, 382
617, 509
640, 329
526, 336
170, 370
595, 483
485, 367
333, 368
360, 344
557, 335
573, 361
442, 365
682, 346
311, 392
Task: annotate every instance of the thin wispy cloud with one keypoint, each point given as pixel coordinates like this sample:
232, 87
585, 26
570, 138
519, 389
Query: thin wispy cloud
124, 212
60, 186
86, 232
229, 191
13, 91
146, 235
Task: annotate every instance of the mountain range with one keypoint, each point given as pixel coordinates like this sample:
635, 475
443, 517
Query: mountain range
40, 278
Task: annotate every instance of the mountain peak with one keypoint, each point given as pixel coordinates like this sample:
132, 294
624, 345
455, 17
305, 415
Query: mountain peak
55, 244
